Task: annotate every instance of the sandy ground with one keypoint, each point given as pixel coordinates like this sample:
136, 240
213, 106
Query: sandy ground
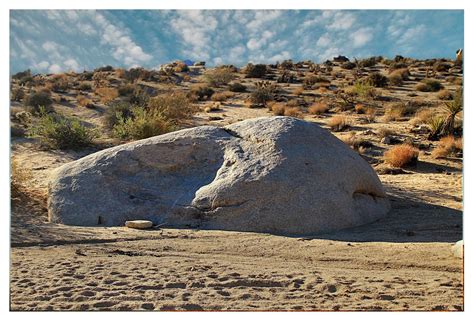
402, 262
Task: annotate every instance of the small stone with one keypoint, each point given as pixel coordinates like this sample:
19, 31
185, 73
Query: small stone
458, 249
139, 224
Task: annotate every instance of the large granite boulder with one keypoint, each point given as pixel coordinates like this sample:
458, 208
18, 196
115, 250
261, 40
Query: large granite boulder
279, 175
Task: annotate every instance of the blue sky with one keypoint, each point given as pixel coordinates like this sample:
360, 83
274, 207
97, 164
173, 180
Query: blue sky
51, 41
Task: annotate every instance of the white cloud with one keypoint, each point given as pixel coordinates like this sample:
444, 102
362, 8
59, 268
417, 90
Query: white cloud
72, 64
342, 21
324, 40
362, 36
280, 57
261, 18
43, 65
55, 68
123, 47
257, 43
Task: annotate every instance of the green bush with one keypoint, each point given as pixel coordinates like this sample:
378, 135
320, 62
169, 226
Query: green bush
201, 92
368, 62
172, 107
85, 86
377, 79
33, 102
219, 76
141, 124
430, 85
237, 87
364, 90
255, 71
261, 95
60, 132
126, 89
114, 110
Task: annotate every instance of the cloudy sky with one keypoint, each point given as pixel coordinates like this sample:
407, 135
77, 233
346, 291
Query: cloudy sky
54, 41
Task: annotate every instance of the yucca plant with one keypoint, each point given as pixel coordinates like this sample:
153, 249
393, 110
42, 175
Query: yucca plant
452, 108
435, 124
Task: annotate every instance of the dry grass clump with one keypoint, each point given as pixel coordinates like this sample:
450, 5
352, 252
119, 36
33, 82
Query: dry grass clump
445, 95
338, 123
212, 108
237, 87
222, 96
398, 111
377, 79
355, 142
84, 101
395, 79
298, 91
423, 116
19, 178
200, 92
385, 132
401, 155
318, 108
172, 107
277, 109
370, 114
429, 85
107, 94
292, 111
359, 108
219, 76
448, 146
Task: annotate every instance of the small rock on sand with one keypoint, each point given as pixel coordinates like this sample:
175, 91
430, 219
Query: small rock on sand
139, 224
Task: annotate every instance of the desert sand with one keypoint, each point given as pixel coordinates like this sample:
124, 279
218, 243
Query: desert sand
401, 262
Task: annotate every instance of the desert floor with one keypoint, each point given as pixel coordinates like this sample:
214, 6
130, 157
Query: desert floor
401, 262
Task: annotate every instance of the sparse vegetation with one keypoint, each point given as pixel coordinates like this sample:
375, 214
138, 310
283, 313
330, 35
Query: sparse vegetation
34, 101
107, 94
57, 131
222, 96
448, 146
429, 85
237, 87
318, 109
401, 155
255, 71
338, 123
219, 76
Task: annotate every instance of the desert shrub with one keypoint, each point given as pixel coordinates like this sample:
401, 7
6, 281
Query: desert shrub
359, 108
172, 107
255, 71
311, 80
219, 76
141, 124
318, 109
429, 85
292, 111
262, 94
344, 100
107, 94
212, 108
441, 66
364, 90
104, 69
126, 89
84, 101
134, 74
401, 155
395, 79
448, 146
34, 101
22, 74
19, 178
237, 87
338, 123
356, 143
370, 114
59, 83
298, 91
293, 103
385, 132
85, 86
17, 94
368, 62
56, 131
399, 110
348, 65
221, 96
403, 72
278, 109
201, 92
422, 116
114, 110
377, 79
445, 95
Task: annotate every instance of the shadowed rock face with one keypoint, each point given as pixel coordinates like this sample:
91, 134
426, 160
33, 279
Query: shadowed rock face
279, 175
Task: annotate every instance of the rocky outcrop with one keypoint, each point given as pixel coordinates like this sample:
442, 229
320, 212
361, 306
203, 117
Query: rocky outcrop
278, 175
